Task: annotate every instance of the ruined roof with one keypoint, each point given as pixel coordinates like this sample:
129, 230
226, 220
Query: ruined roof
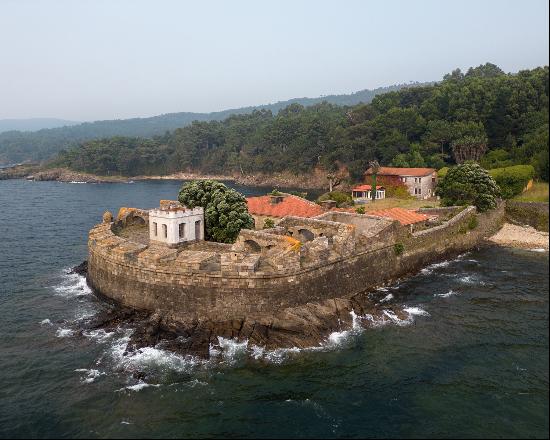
403, 216
395, 171
288, 205
366, 187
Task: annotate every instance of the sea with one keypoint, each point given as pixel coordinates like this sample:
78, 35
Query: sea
470, 359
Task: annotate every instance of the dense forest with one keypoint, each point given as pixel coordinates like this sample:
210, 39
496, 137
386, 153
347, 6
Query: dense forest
19, 146
484, 114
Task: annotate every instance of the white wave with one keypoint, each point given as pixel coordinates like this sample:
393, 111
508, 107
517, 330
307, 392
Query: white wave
91, 375
232, 348
150, 358
416, 311
76, 181
64, 332
539, 250
46, 322
394, 319
98, 335
73, 285
139, 386
429, 269
446, 295
471, 280
387, 298
280, 355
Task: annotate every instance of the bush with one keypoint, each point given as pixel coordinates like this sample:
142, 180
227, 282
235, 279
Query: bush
269, 223
342, 199
442, 172
397, 191
512, 180
360, 210
468, 184
225, 210
398, 248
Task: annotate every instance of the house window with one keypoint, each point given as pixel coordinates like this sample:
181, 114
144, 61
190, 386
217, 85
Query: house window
418, 191
155, 228
165, 231
182, 230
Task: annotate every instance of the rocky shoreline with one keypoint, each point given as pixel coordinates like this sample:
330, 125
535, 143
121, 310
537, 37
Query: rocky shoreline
302, 327
36, 173
523, 237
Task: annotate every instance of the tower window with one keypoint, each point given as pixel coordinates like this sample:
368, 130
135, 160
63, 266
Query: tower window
182, 230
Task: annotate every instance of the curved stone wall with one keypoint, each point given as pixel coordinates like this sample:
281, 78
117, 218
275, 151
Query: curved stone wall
186, 285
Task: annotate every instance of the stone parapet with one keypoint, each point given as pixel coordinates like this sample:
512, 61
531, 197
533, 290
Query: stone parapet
267, 271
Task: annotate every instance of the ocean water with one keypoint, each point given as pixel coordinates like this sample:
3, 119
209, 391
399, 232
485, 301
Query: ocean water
471, 359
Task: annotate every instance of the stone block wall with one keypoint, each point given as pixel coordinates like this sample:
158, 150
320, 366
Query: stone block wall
189, 285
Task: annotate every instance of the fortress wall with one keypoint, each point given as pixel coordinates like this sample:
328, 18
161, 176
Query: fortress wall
183, 292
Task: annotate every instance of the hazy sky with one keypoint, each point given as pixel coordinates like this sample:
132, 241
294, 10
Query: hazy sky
87, 60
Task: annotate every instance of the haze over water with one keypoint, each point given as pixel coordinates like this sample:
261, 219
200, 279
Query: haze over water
470, 361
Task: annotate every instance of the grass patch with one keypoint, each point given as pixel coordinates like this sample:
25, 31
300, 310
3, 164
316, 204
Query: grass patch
538, 193
398, 203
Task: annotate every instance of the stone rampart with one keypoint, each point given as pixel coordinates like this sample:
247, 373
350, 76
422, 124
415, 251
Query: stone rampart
186, 285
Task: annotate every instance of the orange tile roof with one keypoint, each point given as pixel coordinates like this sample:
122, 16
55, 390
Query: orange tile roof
290, 205
395, 171
366, 187
404, 216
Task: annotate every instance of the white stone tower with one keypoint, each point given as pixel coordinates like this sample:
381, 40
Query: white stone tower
172, 224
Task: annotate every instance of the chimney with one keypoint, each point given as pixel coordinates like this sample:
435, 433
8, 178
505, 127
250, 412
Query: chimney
328, 204
275, 199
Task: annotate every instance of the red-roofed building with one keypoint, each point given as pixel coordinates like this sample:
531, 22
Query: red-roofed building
403, 216
420, 181
276, 207
362, 193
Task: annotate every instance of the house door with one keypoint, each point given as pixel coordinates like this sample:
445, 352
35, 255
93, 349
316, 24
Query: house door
198, 230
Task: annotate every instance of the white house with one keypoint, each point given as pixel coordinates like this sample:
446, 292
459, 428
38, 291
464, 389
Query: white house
172, 224
362, 193
420, 182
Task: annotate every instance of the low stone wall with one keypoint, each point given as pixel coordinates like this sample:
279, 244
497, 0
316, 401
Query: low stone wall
534, 214
185, 291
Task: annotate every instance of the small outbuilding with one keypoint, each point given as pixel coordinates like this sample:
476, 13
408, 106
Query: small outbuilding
362, 193
172, 224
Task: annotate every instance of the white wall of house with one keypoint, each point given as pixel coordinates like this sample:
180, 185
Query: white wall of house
172, 227
420, 187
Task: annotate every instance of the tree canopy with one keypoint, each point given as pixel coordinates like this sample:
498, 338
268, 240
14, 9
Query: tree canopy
467, 116
468, 184
225, 210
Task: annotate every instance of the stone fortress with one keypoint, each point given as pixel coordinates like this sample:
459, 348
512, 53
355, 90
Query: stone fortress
158, 261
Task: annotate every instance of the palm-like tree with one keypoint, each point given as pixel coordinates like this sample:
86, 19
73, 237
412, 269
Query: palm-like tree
375, 168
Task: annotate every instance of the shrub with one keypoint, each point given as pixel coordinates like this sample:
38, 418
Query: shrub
442, 172
472, 222
269, 223
360, 210
468, 184
512, 180
398, 248
225, 210
342, 199
397, 191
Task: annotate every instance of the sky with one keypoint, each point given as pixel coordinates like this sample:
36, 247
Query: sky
112, 59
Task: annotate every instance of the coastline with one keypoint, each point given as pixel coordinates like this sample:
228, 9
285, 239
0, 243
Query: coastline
521, 237
311, 181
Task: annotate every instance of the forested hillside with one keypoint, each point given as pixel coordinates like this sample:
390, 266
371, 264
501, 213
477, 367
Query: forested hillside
18, 146
483, 114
